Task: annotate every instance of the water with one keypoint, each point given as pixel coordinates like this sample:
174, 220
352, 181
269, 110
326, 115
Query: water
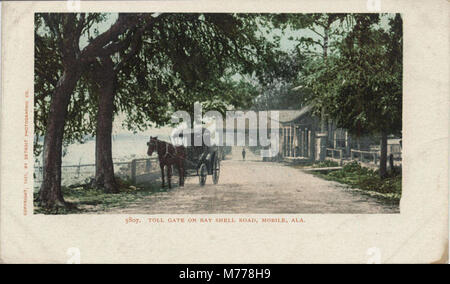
125, 147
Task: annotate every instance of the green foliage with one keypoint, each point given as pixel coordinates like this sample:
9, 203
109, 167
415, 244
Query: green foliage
325, 164
306, 68
48, 69
352, 167
168, 63
184, 58
360, 86
276, 86
85, 198
368, 180
188, 58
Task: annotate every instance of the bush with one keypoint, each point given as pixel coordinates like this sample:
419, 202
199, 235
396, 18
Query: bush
369, 180
326, 164
352, 167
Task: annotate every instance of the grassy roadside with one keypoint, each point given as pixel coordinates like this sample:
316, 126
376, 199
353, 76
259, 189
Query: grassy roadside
84, 198
388, 190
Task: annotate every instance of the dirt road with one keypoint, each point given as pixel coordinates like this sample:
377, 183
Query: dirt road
258, 187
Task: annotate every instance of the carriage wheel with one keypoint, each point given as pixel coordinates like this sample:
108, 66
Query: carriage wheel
202, 174
216, 171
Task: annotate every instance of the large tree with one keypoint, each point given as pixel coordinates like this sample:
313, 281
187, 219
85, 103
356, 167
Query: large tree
374, 80
320, 32
277, 84
365, 80
143, 67
66, 30
104, 79
175, 61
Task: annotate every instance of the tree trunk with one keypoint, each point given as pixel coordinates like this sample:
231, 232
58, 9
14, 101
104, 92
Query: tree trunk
391, 163
383, 157
323, 120
104, 167
323, 139
323, 125
50, 195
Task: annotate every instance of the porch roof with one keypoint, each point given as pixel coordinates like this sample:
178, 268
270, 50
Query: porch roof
284, 116
287, 116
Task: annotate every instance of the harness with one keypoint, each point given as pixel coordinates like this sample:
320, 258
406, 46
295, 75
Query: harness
167, 153
167, 150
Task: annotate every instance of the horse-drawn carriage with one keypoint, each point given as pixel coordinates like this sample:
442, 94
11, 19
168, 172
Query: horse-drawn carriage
189, 158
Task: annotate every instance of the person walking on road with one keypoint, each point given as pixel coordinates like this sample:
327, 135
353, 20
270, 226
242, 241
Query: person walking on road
243, 154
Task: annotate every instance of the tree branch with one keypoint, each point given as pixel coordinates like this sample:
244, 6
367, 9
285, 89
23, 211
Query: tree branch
316, 32
135, 44
124, 22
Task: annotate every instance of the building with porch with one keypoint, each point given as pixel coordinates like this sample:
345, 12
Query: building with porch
298, 129
300, 138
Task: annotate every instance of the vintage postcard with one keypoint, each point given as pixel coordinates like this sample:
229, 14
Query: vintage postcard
231, 132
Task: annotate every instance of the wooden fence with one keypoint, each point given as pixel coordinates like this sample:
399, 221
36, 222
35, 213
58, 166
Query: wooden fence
359, 155
133, 169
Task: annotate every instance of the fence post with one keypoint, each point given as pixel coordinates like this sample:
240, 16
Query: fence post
78, 169
133, 171
310, 145
148, 165
347, 144
334, 139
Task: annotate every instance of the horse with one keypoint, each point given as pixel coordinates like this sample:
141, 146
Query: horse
168, 155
